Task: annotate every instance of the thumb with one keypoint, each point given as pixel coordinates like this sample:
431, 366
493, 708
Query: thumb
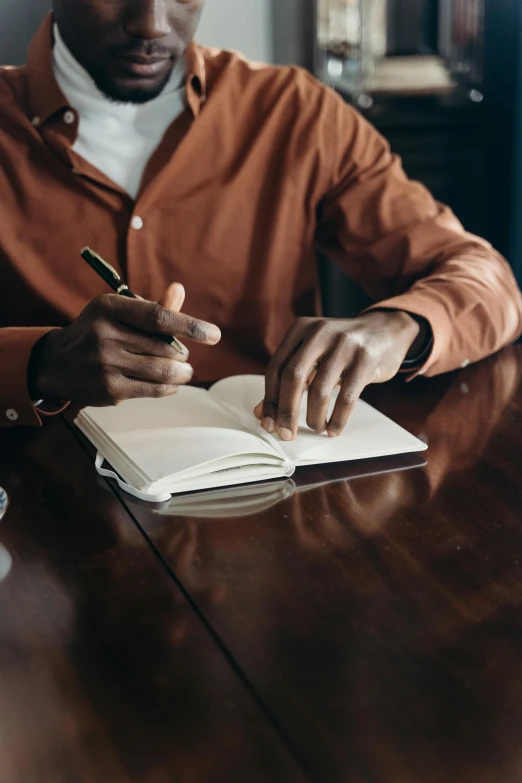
173, 297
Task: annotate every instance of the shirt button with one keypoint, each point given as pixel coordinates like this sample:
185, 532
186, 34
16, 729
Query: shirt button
36, 121
137, 223
11, 414
69, 117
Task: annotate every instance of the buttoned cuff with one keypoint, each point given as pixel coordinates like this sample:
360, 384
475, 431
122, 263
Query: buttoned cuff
16, 406
434, 358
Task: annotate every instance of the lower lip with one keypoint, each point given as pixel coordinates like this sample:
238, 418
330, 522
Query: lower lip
142, 69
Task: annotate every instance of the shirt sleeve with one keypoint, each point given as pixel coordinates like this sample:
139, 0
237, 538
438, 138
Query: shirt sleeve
409, 252
16, 406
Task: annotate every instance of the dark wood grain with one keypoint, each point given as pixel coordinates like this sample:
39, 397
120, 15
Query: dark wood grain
107, 675
380, 617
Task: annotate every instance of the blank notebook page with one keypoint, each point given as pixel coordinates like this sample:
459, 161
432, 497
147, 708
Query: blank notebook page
166, 436
367, 434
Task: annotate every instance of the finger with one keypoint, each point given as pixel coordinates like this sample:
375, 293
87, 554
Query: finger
293, 385
152, 318
134, 389
325, 380
355, 378
258, 410
165, 371
141, 344
287, 348
311, 376
117, 388
173, 297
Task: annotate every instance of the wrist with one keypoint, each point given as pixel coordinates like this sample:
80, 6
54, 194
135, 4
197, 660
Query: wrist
405, 328
410, 334
39, 372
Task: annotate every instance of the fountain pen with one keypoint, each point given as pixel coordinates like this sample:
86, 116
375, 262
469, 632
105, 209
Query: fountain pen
110, 275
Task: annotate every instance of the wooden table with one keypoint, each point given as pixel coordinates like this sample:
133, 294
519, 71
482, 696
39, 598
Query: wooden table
346, 628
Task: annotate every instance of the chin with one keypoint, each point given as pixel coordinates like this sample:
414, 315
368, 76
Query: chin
131, 90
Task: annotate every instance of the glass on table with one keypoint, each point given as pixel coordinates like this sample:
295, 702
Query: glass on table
6, 560
3, 502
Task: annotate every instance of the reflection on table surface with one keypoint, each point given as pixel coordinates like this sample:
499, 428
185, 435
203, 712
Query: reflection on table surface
106, 672
380, 617
250, 499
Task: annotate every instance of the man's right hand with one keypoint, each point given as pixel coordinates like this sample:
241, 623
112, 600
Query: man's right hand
113, 352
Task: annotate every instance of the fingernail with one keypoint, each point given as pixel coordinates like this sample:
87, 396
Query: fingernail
286, 434
213, 334
268, 424
188, 370
332, 434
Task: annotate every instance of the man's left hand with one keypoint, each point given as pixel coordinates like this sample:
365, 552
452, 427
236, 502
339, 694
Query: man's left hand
319, 354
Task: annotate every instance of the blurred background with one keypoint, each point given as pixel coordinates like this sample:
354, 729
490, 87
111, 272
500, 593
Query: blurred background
441, 80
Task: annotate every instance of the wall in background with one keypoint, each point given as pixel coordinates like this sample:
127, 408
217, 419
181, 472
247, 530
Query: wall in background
244, 25
18, 22
293, 32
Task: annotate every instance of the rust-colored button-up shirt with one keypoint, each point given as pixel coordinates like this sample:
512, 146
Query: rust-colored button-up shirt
265, 166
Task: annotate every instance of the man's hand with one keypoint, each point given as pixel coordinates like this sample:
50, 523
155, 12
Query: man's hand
113, 351
320, 354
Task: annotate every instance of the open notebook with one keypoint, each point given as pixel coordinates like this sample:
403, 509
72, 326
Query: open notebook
201, 439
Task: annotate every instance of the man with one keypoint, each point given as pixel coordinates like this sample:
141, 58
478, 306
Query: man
178, 163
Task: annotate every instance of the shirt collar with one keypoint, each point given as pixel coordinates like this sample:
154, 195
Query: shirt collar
196, 78
46, 98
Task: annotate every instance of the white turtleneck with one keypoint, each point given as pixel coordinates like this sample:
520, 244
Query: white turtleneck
117, 138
